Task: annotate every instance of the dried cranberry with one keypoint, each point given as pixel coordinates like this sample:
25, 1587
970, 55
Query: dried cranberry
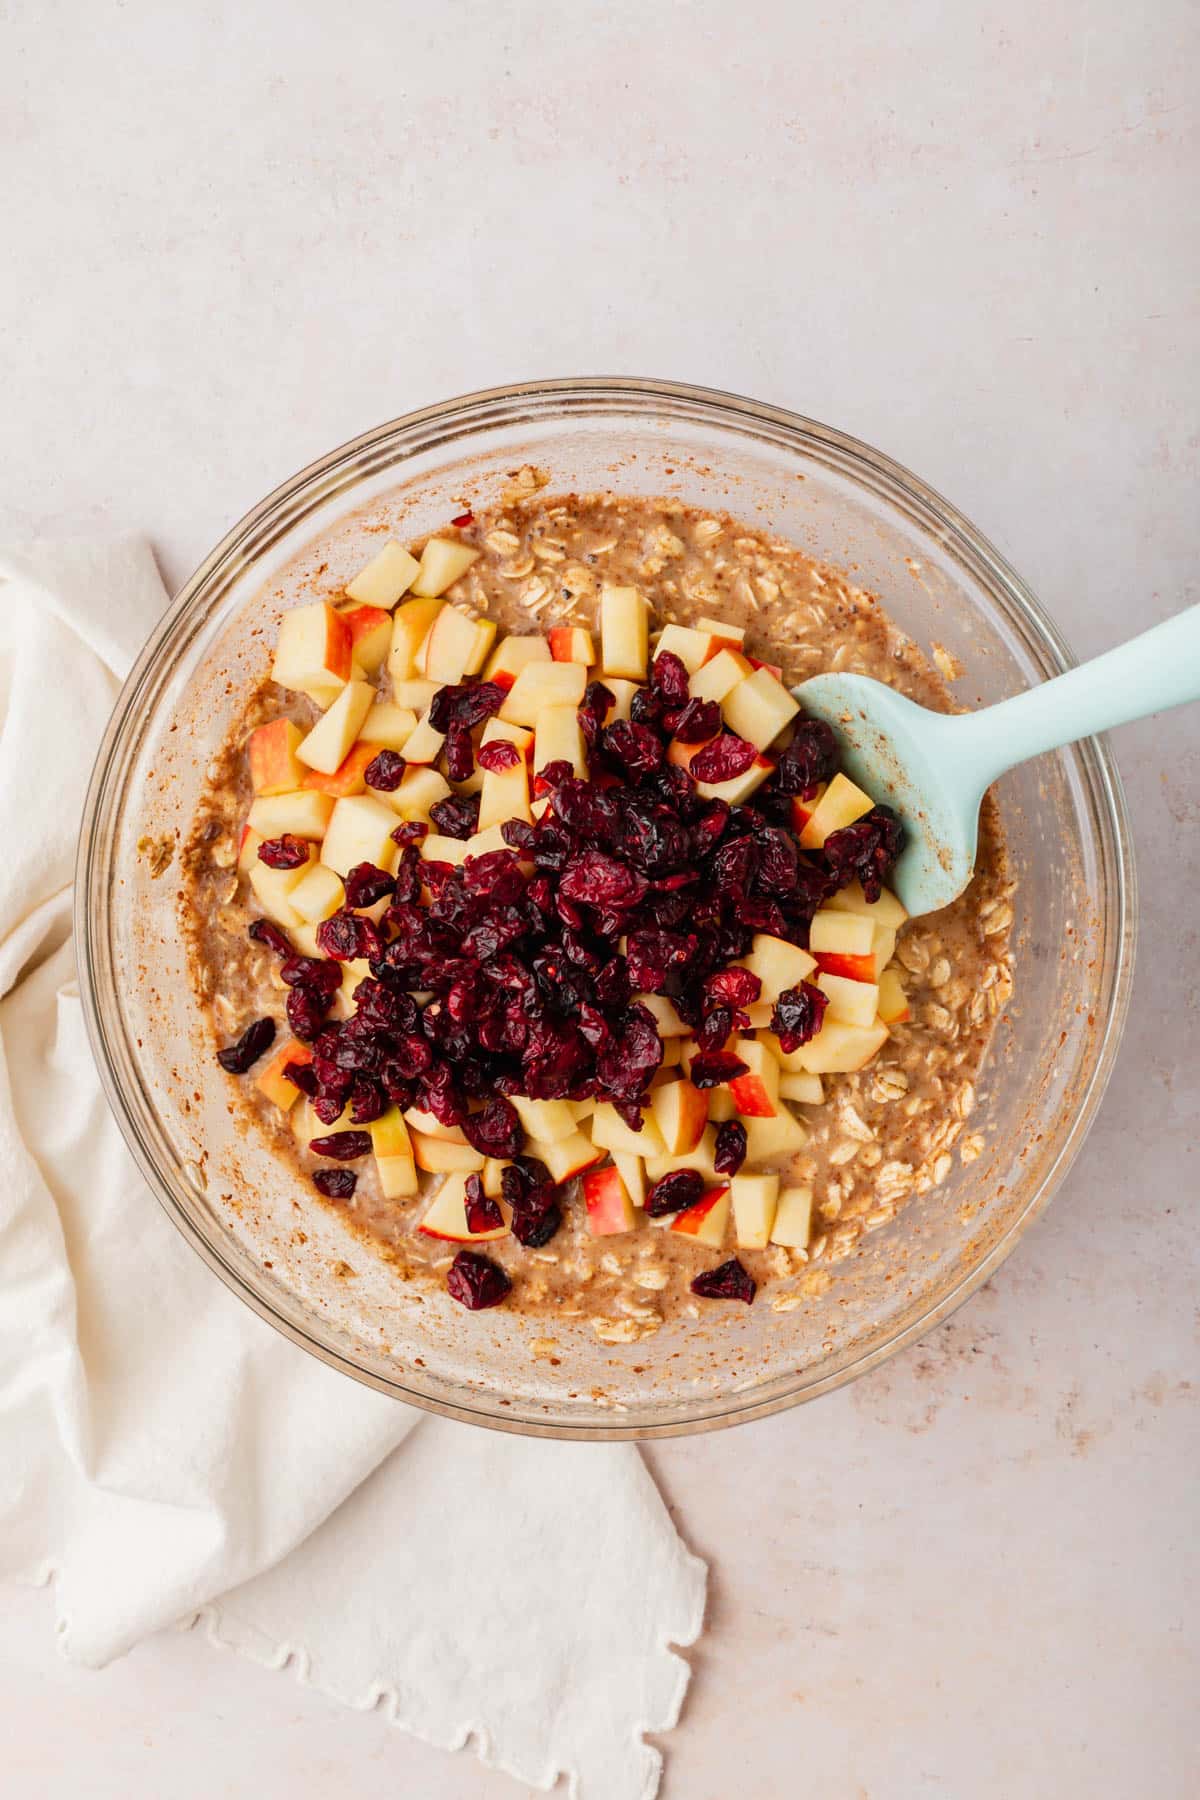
637, 748
734, 986
465, 705
699, 721
730, 1281
342, 1146
460, 752
301, 1075
669, 677
348, 938
365, 884
311, 971
385, 772
457, 816
723, 759
714, 1067
263, 932
476, 1281
594, 879
410, 832
335, 1184
731, 1147
483, 1213
497, 757
647, 707
286, 852
866, 851
366, 1102
598, 702
256, 1039
535, 1224
798, 1014
462, 520
682, 1187
810, 758
496, 1131
713, 1031
652, 955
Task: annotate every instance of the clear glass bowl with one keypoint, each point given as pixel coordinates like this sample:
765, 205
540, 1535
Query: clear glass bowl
259, 1227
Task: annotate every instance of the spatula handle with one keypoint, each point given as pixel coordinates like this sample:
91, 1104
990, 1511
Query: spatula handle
1149, 674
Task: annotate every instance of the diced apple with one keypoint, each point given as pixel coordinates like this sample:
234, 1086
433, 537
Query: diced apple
689, 645
437, 1157
499, 731
398, 1178
846, 933
429, 1125
414, 694
668, 1021
327, 744
893, 1001
511, 655
419, 789
610, 1132
883, 948
273, 890
624, 632
755, 1198
304, 938
718, 677
484, 842
504, 794
387, 727
759, 1013
388, 575
370, 635
457, 645
723, 632
313, 648
801, 1088
803, 810
582, 1109
570, 643
447, 1214
493, 1176
701, 1159
839, 1048
886, 911
410, 627
360, 830
442, 563
303, 814
349, 776
783, 1135
707, 1221
850, 1002
777, 963
389, 1134
425, 744
248, 849
566, 1156
755, 1094
558, 737
306, 1125
272, 752
318, 894
672, 1054
436, 848
622, 693
759, 708
607, 1202
840, 805
542, 684
547, 1120
738, 788
793, 1218
633, 1173
681, 1114
274, 1084
720, 1105
850, 968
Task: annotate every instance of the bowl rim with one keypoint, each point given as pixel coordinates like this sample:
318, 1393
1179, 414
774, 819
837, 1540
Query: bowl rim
870, 467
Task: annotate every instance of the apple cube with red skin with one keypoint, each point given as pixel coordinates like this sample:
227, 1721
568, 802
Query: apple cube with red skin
248, 849
272, 752
633, 1173
302, 814
457, 645
801, 1088
893, 1001
542, 684
370, 635
607, 1202
442, 563
558, 737
570, 643
850, 1002
793, 1218
387, 576
803, 810
318, 894
759, 708
328, 743
685, 642
840, 805
681, 1114
566, 1156
624, 632
755, 1094
511, 655
755, 1198
411, 625
274, 1084
706, 1221
447, 1214
548, 1120
360, 830
437, 1157
349, 777
717, 678
313, 648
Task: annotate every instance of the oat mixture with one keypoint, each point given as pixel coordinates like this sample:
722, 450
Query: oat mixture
882, 1133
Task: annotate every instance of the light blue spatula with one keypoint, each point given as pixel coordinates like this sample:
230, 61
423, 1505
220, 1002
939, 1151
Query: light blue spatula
934, 770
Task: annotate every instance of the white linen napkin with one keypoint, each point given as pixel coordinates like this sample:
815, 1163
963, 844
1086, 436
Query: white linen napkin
165, 1456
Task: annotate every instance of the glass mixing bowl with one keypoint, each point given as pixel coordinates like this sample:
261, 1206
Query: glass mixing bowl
258, 1225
